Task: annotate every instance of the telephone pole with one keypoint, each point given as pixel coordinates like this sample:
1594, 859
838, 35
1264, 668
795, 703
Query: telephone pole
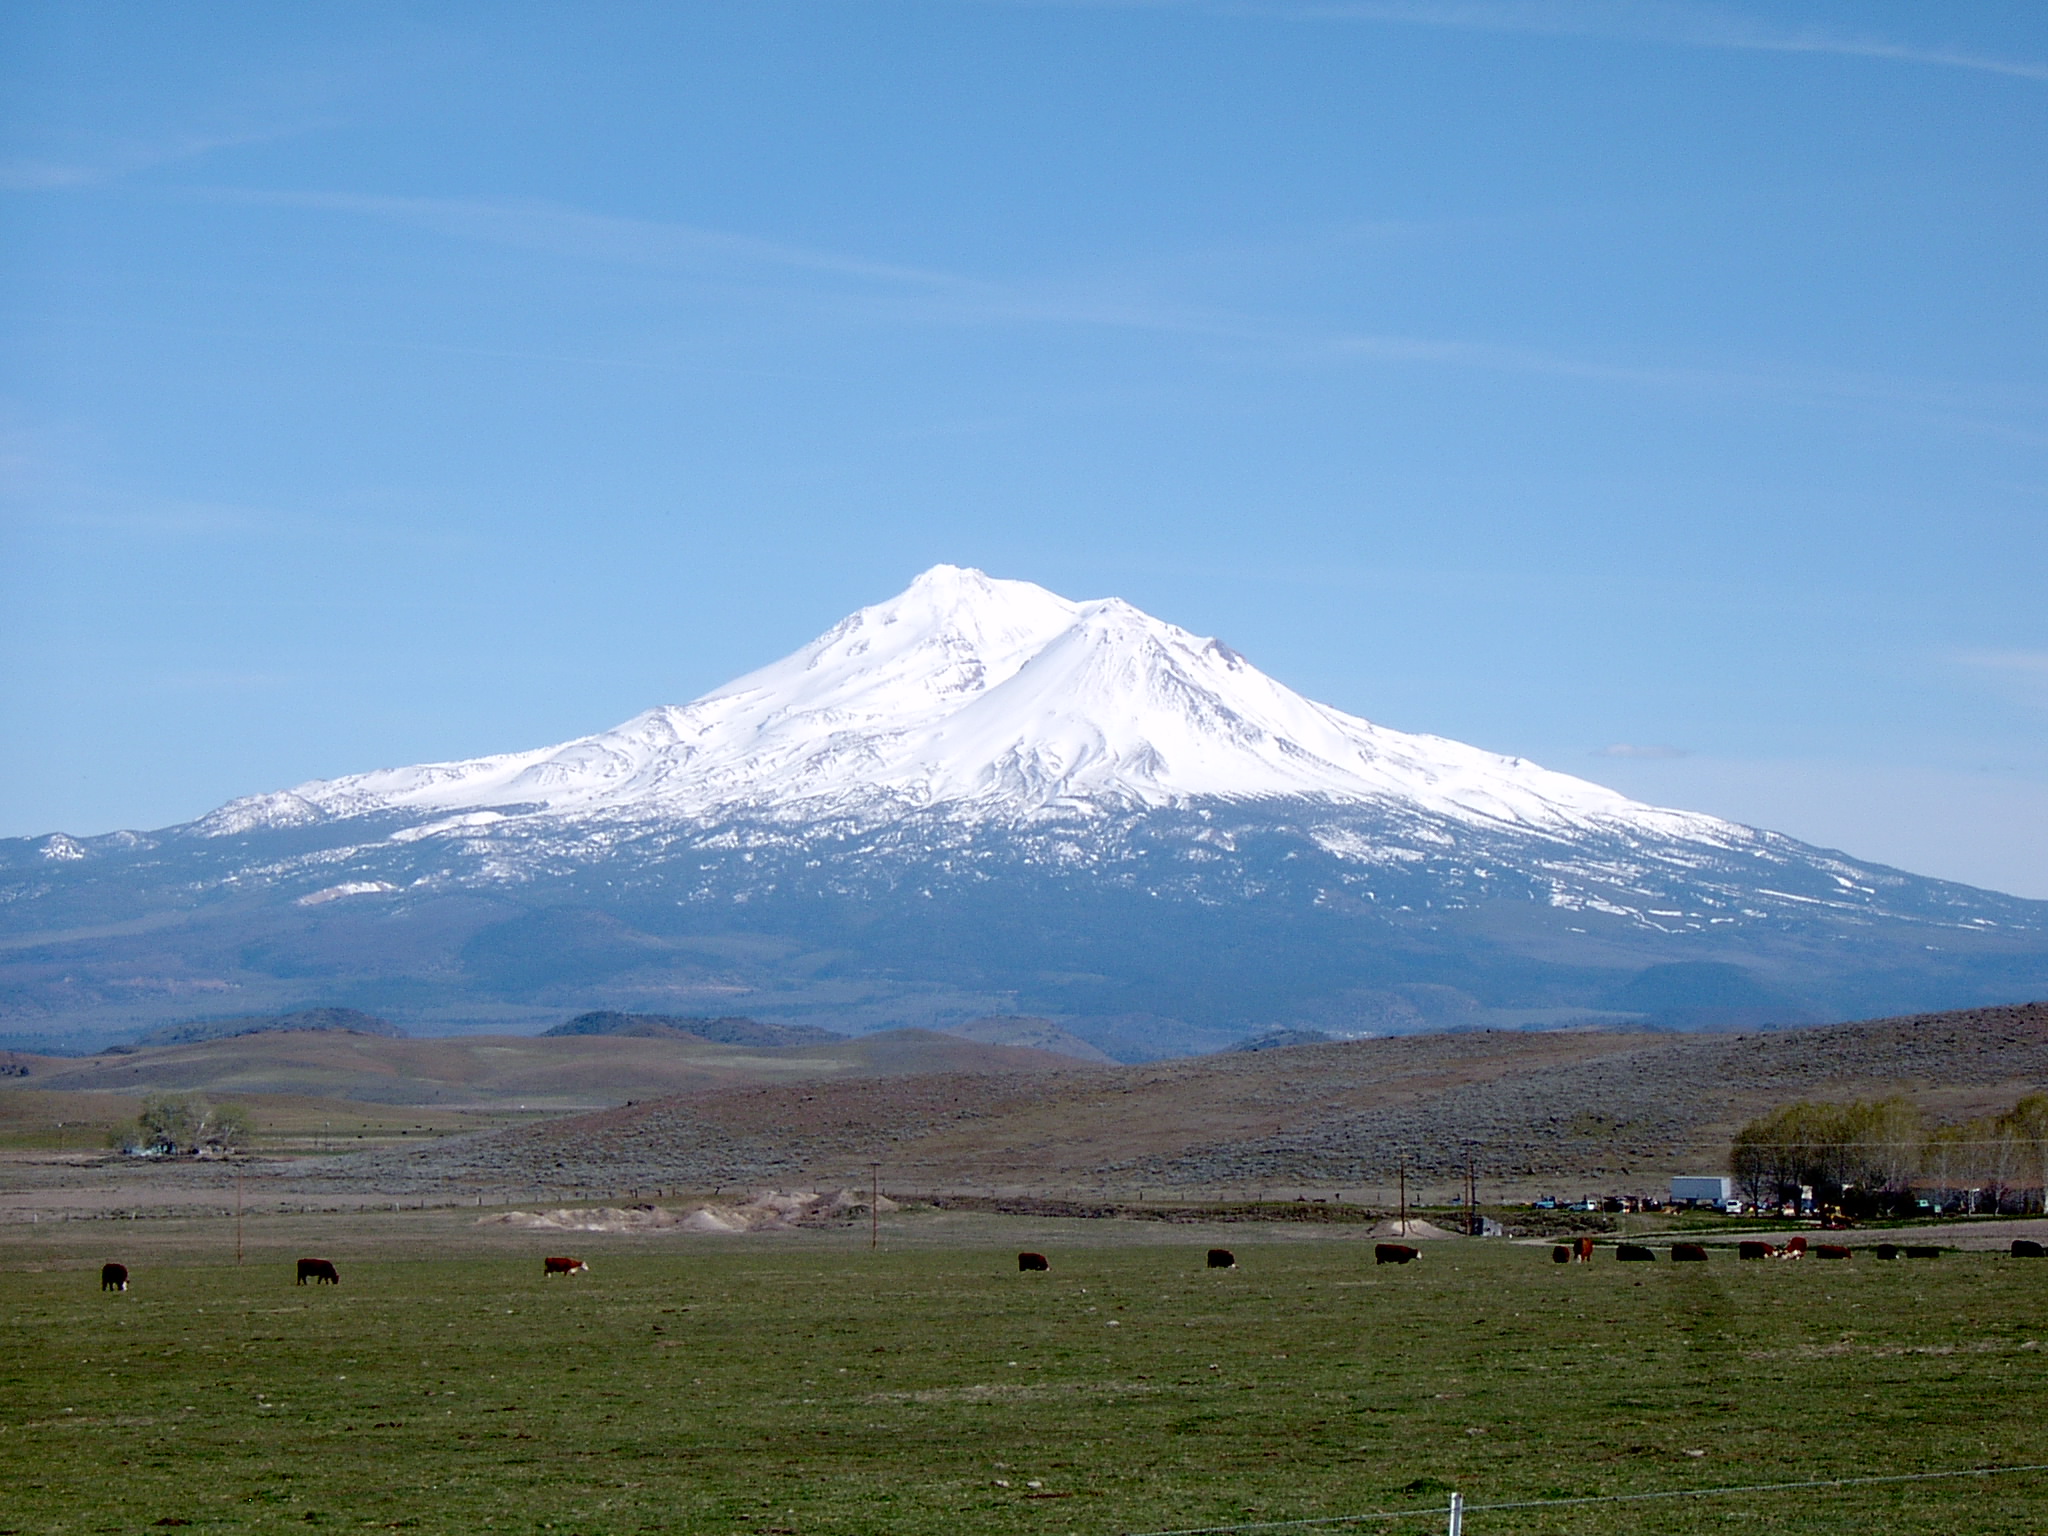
874, 1206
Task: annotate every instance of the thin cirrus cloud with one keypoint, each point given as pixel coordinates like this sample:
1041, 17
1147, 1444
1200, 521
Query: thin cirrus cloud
1646, 752
114, 161
1648, 21
915, 294
2023, 674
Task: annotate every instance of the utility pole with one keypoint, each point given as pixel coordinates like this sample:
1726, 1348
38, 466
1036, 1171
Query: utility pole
1404, 1199
238, 1213
874, 1206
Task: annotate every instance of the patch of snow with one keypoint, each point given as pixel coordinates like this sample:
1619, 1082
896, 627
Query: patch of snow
346, 888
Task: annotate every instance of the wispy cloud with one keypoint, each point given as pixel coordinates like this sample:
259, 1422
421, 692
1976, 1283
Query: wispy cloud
1642, 753
907, 293
2027, 663
2021, 676
111, 162
1688, 25
535, 225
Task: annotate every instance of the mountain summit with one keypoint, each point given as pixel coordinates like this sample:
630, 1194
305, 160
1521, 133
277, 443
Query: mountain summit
992, 701
982, 799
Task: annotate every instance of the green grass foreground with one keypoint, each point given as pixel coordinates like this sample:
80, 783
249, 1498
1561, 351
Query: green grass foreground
799, 1389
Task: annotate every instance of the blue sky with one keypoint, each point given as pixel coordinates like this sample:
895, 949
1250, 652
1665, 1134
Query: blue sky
1656, 391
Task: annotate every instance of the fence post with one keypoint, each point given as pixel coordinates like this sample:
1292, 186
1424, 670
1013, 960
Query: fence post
1457, 1526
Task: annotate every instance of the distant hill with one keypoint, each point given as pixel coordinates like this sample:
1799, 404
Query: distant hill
565, 1072
1031, 1033
348, 1020
1281, 1039
1565, 1112
722, 1031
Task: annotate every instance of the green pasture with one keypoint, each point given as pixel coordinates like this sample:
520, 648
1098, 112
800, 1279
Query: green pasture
800, 1387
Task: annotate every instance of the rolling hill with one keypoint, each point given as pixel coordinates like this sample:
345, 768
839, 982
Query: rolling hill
538, 1072
1532, 1112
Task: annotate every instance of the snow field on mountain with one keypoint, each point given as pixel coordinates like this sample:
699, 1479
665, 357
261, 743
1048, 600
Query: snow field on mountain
990, 701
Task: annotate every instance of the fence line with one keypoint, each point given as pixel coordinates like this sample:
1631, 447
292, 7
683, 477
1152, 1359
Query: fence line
1596, 1498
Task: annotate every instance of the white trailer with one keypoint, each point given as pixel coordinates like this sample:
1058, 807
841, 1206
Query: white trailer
1703, 1190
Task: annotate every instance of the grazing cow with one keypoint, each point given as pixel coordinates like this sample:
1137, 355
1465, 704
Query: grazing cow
1749, 1250
1796, 1249
319, 1271
1582, 1250
1031, 1261
1222, 1258
1832, 1251
1560, 1254
2027, 1248
114, 1277
1394, 1253
1688, 1253
1634, 1253
553, 1265
1923, 1253
1887, 1250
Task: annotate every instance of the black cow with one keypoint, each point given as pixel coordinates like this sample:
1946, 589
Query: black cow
1887, 1250
1834, 1251
2027, 1248
1561, 1254
113, 1277
1920, 1252
1633, 1253
319, 1271
1394, 1253
1031, 1261
1222, 1258
1688, 1253
1748, 1250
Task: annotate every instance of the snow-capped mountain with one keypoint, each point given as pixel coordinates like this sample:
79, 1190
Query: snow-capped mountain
983, 798
990, 701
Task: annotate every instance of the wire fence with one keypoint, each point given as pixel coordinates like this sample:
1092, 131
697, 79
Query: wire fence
1459, 1507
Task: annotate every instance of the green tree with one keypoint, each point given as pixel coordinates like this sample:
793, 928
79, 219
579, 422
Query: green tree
186, 1122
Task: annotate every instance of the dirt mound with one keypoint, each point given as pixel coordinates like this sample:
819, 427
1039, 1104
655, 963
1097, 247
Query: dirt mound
766, 1211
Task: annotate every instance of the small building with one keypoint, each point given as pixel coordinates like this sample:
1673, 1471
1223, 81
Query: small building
1703, 1190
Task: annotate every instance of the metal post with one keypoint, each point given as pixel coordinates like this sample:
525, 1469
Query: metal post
1457, 1526
1404, 1199
238, 1213
874, 1205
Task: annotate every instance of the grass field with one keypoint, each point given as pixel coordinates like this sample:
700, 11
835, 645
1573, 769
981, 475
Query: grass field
813, 1387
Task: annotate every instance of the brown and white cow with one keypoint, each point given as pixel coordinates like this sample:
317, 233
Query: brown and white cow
1688, 1253
1032, 1261
1394, 1253
1222, 1258
113, 1277
319, 1271
557, 1265
1582, 1249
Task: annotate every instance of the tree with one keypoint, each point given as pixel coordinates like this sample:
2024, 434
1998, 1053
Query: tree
171, 1123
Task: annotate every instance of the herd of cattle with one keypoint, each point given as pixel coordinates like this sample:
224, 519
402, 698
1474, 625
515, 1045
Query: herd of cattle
114, 1277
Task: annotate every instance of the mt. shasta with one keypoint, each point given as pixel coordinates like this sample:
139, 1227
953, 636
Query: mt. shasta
982, 797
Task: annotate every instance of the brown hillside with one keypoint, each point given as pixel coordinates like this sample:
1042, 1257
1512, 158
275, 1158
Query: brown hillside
572, 1071
1534, 1111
